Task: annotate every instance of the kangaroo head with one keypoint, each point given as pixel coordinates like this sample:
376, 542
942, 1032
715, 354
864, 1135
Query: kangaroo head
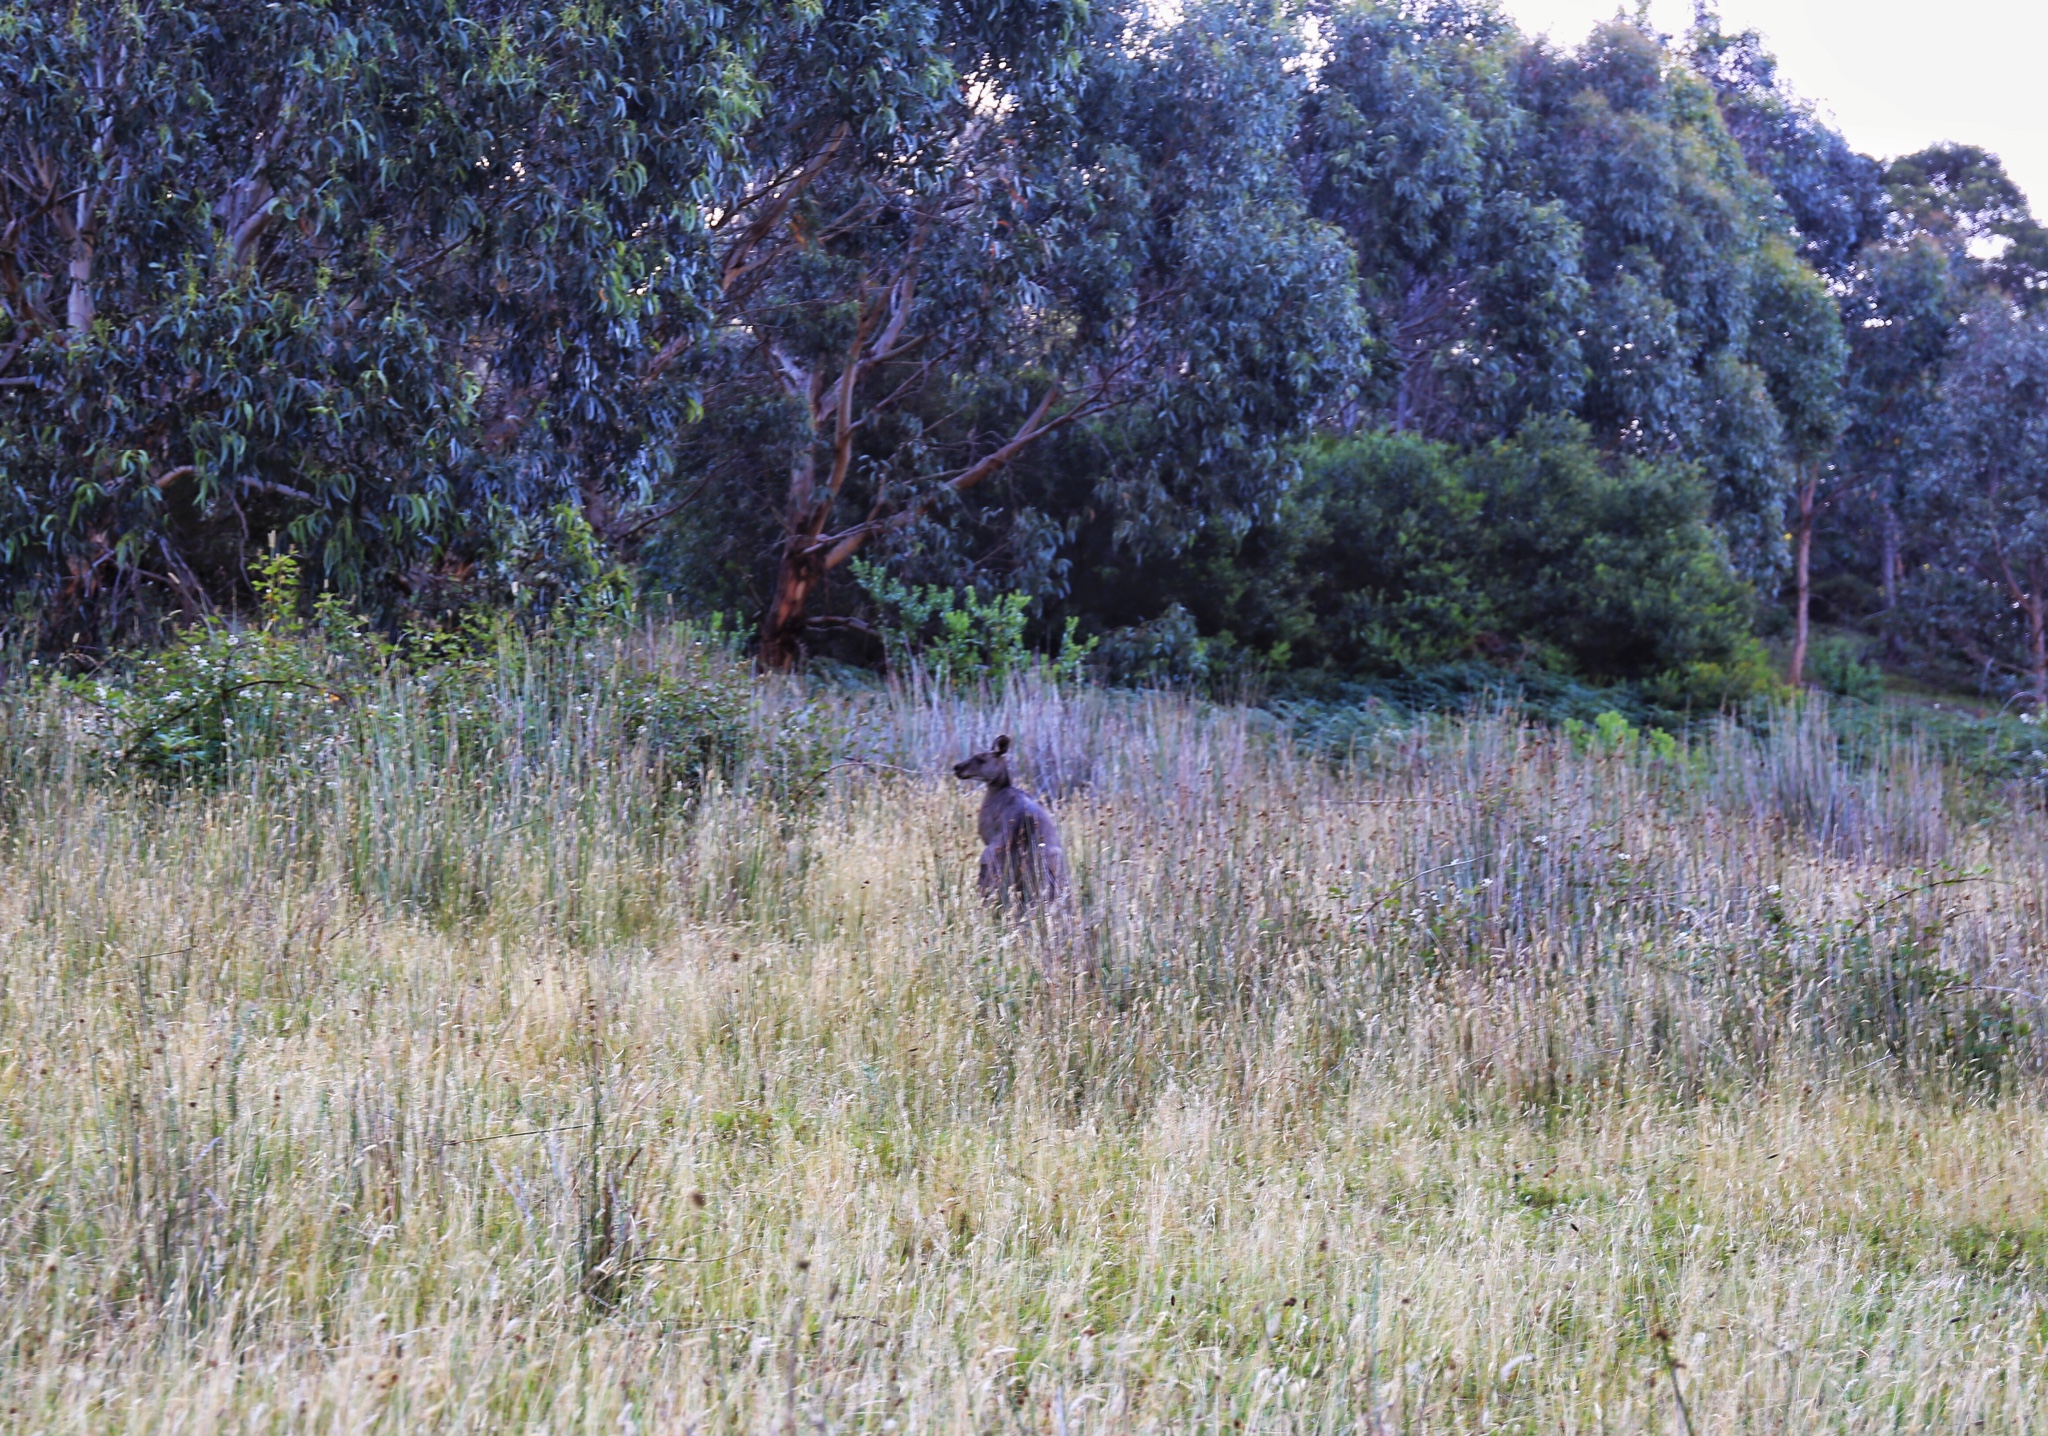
991, 767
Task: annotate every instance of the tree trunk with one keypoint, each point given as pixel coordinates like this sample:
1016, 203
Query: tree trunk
1891, 565
1802, 577
809, 553
79, 310
1888, 555
800, 565
796, 574
2037, 649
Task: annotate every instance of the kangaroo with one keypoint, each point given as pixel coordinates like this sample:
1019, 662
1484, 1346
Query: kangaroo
1020, 855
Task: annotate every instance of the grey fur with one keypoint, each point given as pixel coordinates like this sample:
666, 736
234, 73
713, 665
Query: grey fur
1021, 860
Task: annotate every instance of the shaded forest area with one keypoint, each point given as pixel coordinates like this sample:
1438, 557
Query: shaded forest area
1306, 344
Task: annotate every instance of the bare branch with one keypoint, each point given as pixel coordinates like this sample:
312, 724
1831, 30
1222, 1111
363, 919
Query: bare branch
842, 419
264, 486
738, 262
841, 547
670, 511
795, 378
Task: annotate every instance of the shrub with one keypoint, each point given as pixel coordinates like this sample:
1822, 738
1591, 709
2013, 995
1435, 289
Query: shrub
1835, 665
1398, 555
1705, 685
960, 638
288, 689
219, 689
547, 572
1167, 651
691, 720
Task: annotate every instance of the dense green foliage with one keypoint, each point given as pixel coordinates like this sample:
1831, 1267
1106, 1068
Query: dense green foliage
1397, 553
1604, 568
961, 640
1242, 341
1983, 505
1541, 232
363, 275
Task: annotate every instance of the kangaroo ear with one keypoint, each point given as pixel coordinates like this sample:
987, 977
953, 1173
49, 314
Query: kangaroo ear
1002, 742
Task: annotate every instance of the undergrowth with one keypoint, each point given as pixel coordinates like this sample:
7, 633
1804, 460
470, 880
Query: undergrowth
567, 1029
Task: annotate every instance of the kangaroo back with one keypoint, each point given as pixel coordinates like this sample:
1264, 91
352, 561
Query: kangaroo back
1021, 859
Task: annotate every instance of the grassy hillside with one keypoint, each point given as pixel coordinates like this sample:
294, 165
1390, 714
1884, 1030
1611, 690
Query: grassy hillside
452, 1064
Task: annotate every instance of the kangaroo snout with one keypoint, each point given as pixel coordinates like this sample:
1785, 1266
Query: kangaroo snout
990, 767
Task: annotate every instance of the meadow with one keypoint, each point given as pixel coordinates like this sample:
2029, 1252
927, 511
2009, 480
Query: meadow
462, 1061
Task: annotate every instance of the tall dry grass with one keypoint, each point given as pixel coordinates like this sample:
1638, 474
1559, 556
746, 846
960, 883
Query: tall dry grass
454, 1072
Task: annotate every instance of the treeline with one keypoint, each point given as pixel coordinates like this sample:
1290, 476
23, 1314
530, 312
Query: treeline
1338, 341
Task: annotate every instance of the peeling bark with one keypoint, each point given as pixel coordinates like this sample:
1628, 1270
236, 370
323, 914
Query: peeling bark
78, 311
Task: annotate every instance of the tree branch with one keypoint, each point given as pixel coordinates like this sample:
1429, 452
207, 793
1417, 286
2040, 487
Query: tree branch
843, 546
283, 491
741, 263
675, 508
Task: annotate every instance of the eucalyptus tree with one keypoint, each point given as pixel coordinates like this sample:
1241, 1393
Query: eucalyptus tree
1548, 232
1985, 506
1956, 231
1797, 340
1706, 337
1125, 254
1900, 301
1961, 197
1833, 197
1544, 231
1829, 204
346, 272
1412, 141
370, 275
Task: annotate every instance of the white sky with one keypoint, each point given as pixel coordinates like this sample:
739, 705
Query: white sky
1894, 74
